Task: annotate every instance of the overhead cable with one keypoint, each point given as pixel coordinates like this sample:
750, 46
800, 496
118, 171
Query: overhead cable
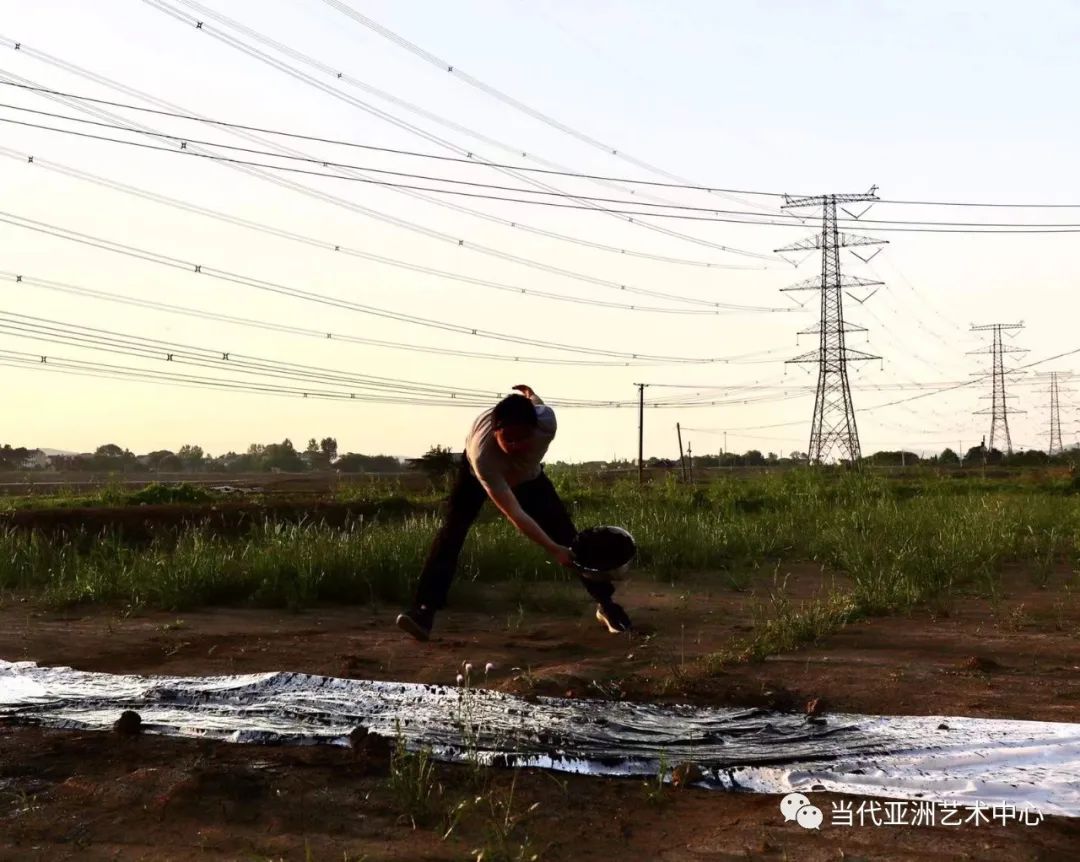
310, 296
474, 162
298, 74
338, 201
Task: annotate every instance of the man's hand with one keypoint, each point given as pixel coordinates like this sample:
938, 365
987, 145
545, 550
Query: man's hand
563, 556
508, 504
527, 391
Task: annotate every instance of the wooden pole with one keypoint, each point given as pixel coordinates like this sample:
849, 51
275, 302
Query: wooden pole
690, 459
641, 433
682, 460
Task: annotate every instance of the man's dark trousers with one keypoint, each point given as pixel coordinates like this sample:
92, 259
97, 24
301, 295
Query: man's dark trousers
540, 501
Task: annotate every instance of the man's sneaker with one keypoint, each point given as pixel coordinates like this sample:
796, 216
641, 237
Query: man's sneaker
614, 617
417, 622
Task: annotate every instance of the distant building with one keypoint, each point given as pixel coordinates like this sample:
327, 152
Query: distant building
36, 460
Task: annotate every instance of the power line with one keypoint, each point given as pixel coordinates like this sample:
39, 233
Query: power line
326, 245
59, 332
898, 343
144, 347
995, 204
292, 71
518, 105
439, 235
183, 151
489, 90
471, 160
119, 341
95, 338
184, 141
339, 75
794, 439
83, 368
942, 391
104, 370
660, 294
273, 287
867, 224
475, 162
205, 12
880, 387
625, 288
73, 335
324, 335
320, 334
923, 297
320, 195
917, 301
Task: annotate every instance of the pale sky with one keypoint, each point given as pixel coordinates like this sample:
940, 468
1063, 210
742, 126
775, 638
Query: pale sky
946, 101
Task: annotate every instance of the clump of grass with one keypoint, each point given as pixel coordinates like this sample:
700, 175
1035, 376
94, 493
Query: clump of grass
157, 493
783, 626
655, 788
412, 785
505, 835
467, 722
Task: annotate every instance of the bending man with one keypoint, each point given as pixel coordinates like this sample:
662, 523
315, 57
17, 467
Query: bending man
502, 462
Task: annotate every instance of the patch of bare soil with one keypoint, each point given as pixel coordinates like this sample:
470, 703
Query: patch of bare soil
98, 796
108, 796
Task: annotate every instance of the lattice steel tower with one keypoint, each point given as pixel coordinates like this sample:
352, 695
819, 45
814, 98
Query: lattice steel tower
1055, 417
833, 427
1054, 378
999, 409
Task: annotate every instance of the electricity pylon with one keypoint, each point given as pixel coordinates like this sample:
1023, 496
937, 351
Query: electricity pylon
1055, 379
1055, 417
999, 409
833, 426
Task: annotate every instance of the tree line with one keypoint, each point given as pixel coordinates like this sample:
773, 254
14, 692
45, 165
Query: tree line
321, 455
191, 458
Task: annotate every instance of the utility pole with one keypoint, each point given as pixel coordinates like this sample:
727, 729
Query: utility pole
999, 409
833, 426
682, 460
641, 433
690, 459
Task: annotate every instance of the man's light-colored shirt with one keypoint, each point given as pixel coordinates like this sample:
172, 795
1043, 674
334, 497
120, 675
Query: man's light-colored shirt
497, 470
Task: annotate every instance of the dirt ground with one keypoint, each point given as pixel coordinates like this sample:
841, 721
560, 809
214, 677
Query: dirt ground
96, 796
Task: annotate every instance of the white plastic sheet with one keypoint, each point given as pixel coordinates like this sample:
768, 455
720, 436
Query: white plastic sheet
937, 758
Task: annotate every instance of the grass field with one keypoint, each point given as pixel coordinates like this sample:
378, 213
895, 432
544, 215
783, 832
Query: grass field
890, 544
774, 589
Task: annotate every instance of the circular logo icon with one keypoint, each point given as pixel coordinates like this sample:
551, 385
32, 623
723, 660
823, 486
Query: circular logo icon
790, 805
797, 807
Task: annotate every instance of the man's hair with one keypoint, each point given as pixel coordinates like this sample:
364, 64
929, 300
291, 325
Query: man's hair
513, 410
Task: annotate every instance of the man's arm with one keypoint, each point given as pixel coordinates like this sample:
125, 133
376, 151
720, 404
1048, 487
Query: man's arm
545, 416
528, 392
508, 504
